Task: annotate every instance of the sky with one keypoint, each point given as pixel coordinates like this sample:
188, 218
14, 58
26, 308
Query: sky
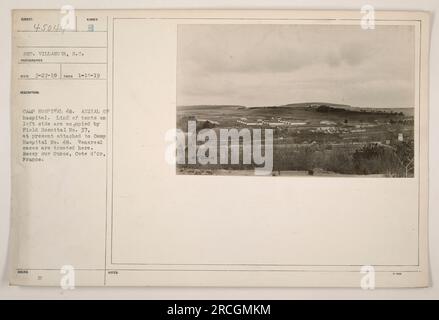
264, 65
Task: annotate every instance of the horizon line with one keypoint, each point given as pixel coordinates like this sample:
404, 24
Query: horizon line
289, 104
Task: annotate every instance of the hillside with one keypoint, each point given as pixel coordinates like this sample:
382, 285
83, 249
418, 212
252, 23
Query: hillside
294, 109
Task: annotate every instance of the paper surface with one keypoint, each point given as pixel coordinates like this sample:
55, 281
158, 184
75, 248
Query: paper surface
95, 95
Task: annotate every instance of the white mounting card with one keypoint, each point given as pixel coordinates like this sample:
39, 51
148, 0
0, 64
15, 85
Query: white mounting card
219, 148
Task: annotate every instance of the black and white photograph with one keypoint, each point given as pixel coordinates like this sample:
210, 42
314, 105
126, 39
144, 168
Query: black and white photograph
315, 100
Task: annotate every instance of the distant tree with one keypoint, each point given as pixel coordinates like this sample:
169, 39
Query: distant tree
405, 153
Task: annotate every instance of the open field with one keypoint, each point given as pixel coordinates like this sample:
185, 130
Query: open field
315, 138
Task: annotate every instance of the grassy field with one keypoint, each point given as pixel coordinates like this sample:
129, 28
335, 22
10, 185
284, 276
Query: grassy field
315, 138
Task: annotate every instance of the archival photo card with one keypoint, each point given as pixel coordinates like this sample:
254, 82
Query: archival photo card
222, 148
